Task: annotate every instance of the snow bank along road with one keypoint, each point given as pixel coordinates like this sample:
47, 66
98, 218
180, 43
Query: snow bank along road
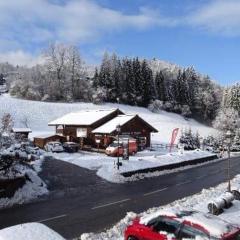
79, 201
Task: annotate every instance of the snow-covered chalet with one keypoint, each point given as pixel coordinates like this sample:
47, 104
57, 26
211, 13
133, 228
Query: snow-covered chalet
86, 127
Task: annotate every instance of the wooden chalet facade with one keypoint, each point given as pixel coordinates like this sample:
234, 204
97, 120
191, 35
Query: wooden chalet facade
130, 126
97, 128
78, 127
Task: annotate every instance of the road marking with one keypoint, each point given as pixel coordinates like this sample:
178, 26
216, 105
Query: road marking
109, 204
200, 177
49, 219
153, 192
182, 183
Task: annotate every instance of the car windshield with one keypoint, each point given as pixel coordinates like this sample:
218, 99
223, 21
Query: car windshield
165, 224
70, 144
57, 144
114, 145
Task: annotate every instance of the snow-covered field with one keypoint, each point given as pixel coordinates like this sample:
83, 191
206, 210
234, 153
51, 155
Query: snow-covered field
31, 190
38, 114
106, 166
197, 202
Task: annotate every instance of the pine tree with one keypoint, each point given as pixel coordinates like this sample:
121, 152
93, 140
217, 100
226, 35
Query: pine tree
160, 86
138, 81
128, 82
234, 98
96, 79
148, 86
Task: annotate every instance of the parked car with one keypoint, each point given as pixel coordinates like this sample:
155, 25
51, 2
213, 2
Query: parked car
116, 149
235, 148
70, 147
54, 147
174, 224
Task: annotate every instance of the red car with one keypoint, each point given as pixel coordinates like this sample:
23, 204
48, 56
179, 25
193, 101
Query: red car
175, 224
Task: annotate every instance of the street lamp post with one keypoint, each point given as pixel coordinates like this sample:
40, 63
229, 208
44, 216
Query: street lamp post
201, 143
228, 140
118, 129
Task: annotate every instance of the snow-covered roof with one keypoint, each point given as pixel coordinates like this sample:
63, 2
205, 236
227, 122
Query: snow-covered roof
17, 130
111, 125
214, 225
48, 135
29, 231
82, 118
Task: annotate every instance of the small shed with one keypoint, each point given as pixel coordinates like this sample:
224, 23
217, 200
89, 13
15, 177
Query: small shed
41, 141
21, 132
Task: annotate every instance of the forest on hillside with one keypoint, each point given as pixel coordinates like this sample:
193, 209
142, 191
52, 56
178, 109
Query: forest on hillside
152, 83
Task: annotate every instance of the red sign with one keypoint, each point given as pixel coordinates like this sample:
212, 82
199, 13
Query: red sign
174, 136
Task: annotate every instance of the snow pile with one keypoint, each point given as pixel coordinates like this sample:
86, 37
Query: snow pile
29, 231
32, 189
39, 114
115, 233
106, 166
196, 202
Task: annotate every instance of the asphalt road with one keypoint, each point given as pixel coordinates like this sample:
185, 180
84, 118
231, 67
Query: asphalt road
79, 201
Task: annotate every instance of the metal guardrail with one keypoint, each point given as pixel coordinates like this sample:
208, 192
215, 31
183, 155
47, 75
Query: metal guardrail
170, 166
163, 146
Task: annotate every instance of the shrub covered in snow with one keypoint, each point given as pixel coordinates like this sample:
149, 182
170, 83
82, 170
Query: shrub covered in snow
156, 106
189, 140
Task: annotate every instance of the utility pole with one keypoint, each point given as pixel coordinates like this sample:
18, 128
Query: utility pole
228, 139
118, 128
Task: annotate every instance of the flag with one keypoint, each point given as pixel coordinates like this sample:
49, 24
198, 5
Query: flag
174, 136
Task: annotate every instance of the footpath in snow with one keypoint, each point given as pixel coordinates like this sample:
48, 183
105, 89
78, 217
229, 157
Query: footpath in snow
106, 166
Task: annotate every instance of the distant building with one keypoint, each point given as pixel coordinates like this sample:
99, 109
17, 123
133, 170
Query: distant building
129, 125
41, 141
98, 127
78, 126
21, 132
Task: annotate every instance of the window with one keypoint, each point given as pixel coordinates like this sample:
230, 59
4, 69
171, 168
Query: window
164, 224
191, 233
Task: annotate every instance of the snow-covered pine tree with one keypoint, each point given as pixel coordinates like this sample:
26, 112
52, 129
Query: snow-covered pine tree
148, 85
234, 97
227, 119
128, 82
160, 86
138, 81
95, 82
188, 140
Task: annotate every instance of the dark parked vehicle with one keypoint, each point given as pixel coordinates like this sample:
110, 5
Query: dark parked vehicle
70, 147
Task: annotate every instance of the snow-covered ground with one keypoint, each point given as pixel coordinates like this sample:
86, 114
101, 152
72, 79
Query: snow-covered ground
38, 114
197, 202
30, 190
29, 231
106, 166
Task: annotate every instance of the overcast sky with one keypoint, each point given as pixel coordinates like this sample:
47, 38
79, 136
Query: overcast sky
202, 33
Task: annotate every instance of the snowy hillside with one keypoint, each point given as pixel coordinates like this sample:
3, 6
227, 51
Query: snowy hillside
158, 65
38, 114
